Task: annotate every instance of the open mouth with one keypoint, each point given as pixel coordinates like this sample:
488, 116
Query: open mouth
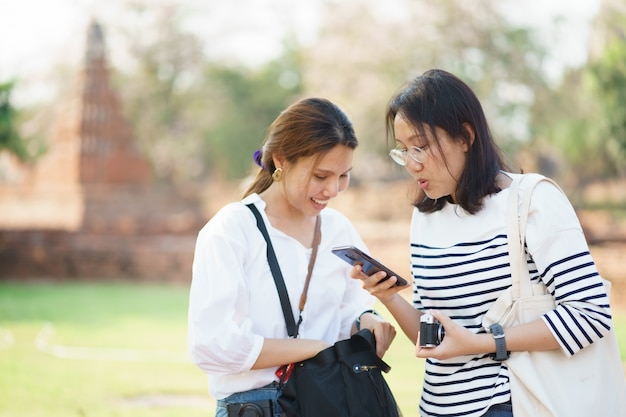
320, 202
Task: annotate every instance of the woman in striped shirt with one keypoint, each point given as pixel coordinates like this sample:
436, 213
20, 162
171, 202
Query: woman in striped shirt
459, 257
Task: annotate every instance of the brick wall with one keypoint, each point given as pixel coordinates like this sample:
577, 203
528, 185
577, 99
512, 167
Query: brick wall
131, 232
62, 255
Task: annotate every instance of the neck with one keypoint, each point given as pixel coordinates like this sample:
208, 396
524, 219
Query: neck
286, 218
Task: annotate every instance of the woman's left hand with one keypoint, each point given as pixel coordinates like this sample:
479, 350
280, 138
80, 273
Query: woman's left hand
383, 331
458, 341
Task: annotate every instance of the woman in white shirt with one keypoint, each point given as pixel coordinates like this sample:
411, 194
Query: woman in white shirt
237, 330
459, 254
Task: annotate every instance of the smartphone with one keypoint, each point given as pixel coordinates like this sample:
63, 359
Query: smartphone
354, 256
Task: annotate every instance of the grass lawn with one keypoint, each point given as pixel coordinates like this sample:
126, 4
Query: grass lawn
119, 349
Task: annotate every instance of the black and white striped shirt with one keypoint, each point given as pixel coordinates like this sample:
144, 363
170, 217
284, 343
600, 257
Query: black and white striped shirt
460, 266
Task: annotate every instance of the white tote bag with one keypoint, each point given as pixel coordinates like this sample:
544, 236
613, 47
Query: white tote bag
549, 384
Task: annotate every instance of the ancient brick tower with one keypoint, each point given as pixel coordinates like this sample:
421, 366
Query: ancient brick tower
89, 209
107, 152
92, 141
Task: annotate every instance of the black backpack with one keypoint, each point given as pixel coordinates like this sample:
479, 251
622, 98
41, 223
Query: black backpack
344, 380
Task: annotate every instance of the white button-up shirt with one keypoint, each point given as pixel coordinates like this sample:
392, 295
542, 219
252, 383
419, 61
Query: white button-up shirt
234, 303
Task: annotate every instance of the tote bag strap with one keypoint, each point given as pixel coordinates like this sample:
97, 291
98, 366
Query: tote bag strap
514, 238
520, 194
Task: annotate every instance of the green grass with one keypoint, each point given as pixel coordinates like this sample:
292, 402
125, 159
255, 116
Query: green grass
149, 320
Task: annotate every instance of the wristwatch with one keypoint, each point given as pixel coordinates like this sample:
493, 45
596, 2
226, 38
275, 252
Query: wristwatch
357, 322
498, 335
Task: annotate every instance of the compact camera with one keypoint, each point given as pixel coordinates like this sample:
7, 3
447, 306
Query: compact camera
260, 408
431, 331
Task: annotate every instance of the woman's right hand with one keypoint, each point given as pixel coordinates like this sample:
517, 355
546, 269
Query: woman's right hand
377, 285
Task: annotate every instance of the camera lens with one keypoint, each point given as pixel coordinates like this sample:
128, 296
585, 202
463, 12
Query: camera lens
441, 333
250, 410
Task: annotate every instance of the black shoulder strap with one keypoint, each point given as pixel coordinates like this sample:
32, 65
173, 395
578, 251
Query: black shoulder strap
292, 329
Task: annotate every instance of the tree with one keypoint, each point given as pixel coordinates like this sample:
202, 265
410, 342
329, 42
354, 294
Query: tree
561, 144
10, 138
608, 78
245, 102
195, 116
163, 90
579, 128
364, 54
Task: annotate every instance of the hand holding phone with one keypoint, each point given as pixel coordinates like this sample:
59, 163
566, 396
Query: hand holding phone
355, 256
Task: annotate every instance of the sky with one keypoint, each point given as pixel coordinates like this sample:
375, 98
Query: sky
36, 35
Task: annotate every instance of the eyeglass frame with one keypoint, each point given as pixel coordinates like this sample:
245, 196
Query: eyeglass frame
399, 155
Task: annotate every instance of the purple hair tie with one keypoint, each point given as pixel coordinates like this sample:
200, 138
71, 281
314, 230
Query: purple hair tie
258, 154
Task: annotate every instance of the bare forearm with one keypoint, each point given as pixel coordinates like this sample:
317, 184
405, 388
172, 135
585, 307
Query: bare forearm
276, 352
529, 337
534, 336
405, 314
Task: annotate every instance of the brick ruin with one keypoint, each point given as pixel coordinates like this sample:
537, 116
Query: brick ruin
90, 209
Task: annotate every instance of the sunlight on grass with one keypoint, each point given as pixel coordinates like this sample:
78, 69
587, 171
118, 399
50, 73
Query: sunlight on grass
144, 319
150, 321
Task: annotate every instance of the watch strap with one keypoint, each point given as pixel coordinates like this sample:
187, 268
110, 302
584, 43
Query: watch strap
357, 322
498, 335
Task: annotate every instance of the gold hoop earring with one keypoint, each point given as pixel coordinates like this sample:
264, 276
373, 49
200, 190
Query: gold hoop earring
277, 176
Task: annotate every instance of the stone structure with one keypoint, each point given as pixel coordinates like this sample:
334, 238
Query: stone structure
89, 208
92, 141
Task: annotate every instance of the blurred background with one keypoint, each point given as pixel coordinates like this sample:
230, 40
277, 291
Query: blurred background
188, 89
125, 124
199, 81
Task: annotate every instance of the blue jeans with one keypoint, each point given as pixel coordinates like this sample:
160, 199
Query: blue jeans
268, 392
500, 410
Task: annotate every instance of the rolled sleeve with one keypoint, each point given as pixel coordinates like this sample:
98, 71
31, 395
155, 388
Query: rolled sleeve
221, 339
560, 252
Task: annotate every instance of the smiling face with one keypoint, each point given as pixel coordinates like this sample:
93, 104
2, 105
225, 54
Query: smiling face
439, 173
311, 182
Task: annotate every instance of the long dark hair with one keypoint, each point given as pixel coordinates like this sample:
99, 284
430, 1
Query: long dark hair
312, 126
440, 99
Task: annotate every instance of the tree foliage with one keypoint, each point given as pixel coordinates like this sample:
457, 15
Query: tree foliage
246, 101
608, 79
579, 128
10, 138
364, 59
196, 115
193, 116
163, 92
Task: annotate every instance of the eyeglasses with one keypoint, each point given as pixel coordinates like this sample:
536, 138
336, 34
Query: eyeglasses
417, 153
